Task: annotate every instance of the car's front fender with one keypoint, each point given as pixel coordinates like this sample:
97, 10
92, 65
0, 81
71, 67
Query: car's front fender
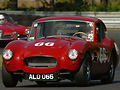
17, 48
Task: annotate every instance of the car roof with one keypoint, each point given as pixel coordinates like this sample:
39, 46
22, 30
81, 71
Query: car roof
83, 18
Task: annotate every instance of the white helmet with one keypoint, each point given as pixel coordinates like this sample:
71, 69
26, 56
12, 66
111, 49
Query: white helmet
2, 19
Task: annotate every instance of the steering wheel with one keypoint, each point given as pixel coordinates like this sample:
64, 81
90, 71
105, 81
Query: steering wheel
81, 33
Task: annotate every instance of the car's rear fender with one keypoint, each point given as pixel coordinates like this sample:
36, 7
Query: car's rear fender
112, 48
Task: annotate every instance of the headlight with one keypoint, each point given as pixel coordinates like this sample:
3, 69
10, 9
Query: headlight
7, 54
27, 31
1, 32
73, 54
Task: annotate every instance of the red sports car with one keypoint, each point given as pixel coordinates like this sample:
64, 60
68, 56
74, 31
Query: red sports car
11, 31
63, 47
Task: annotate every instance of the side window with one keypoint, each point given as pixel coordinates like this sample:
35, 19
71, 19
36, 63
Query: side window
100, 29
103, 30
39, 31
31, 36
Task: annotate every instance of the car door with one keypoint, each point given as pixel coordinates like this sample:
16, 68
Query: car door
103, 55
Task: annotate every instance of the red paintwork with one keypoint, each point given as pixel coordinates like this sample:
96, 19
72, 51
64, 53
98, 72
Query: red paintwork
91, 19
8, 28
22, 49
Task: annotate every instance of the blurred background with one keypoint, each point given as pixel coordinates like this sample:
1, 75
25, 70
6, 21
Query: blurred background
61, 5
26, 11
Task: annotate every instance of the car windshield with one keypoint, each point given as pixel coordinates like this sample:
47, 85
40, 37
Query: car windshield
62, 28
9, 19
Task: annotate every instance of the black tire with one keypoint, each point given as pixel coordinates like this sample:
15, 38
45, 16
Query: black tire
110, 73
83, 76
41, 83
8, 78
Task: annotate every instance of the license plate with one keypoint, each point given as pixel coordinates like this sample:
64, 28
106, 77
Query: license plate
46, 77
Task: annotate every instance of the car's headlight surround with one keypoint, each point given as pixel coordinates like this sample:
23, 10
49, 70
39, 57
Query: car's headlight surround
1, 32
73, 54
7, 54
27, 31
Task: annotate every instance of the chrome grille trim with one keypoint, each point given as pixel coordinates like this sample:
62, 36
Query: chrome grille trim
42, 65
6, 36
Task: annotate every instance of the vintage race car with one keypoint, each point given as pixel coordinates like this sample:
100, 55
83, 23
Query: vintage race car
10, 30
59, 48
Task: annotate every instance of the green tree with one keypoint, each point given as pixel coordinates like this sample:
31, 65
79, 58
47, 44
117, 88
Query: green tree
51, 4
13, 4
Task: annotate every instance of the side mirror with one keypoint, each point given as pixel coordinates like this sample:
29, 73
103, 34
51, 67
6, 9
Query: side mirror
35, 25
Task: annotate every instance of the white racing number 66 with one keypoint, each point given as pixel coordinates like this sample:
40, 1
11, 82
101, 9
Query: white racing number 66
43, 43
103, 56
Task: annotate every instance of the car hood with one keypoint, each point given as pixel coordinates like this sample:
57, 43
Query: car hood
48, 46
10, 28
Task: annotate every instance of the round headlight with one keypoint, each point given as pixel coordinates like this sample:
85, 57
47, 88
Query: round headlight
7, 54
73, 54
27, 31
1, 32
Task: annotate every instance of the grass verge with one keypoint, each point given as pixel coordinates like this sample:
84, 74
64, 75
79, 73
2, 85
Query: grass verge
1, 61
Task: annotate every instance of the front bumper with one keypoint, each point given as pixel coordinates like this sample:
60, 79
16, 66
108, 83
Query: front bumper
12, 38
62, 63
59, 75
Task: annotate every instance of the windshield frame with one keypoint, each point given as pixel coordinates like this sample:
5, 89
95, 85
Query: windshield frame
32, 28
10, 19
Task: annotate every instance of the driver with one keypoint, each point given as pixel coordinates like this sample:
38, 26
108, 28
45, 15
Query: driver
2, 19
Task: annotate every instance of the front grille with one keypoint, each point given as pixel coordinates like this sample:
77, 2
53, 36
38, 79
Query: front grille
6, 36
22, 35
40, 62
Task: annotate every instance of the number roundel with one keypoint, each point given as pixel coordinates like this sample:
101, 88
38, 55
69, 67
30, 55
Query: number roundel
39, 44
43, 43
103, 56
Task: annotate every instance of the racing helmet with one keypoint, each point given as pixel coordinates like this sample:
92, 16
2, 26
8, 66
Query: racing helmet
2, 18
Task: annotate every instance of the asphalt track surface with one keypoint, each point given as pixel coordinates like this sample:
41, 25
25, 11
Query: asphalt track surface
68, 85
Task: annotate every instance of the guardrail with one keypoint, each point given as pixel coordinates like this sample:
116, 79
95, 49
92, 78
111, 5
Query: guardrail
111, 19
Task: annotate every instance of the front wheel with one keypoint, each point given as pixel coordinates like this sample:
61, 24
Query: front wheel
8, 78
83, 76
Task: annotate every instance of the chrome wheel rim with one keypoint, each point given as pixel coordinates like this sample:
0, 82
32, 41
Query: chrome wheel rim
88, 71
111, 71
